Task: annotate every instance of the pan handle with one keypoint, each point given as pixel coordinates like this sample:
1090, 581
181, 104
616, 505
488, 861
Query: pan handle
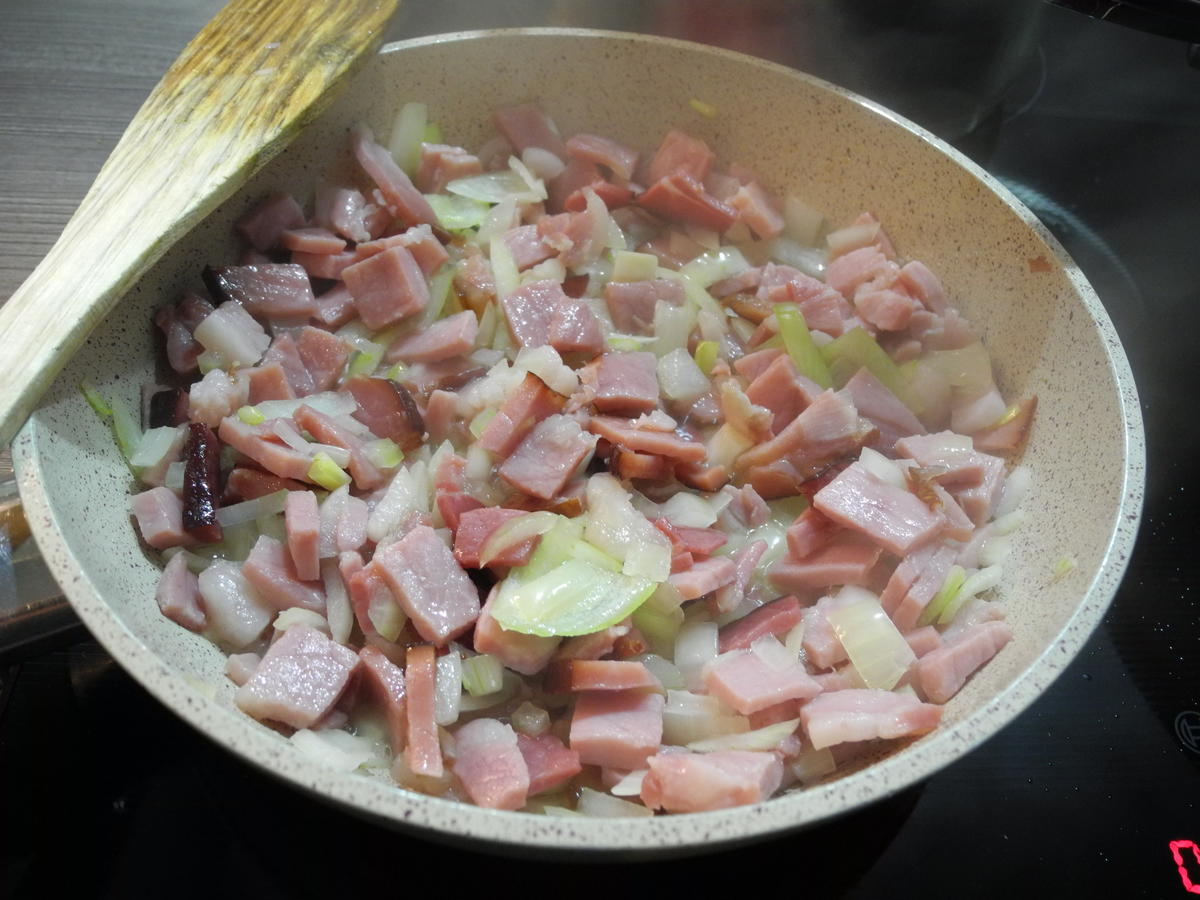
34, 615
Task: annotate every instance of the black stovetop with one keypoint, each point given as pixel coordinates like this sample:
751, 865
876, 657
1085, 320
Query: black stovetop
104, 793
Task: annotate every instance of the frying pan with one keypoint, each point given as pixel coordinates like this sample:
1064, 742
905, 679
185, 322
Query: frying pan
1044, 326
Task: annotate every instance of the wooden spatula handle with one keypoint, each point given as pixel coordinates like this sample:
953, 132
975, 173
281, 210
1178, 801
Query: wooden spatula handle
236, 95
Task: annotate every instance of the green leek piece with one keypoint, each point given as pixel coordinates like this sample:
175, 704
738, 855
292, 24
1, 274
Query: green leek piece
572, 599
325, 472
706, 356
799, 343
384, 452
457, 213
125, 429
482, 675
363, 362
251, 415
433, 133
949, 590
407, 132
439, 289
396, 372
856, 348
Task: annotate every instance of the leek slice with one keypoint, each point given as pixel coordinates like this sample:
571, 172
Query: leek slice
482, 675
856, 348
946, 594
456, 213
573, 598
706, 356
325, 472
875, 646
408, 130
799, 343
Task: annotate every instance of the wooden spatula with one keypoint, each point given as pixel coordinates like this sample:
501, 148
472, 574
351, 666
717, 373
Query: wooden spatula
238, 93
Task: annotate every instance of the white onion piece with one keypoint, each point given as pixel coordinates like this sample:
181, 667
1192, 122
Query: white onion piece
496, 187
249, 510
330, 513
328, 403
630, 785
337, 602
802, 222
408, 493
339, 455
154, 445
761, 739
298, 615
995, 549
336, 748
407, 134
852, 237
546, 364
695, 647
689, 717
448, 693
663, 669
672, 325
774, 654
812, 765
174, 477
500, 218
479, 463
516, 531
1009, 522
1016, 486
875, 646
531, 720
542, 163
680, 379
689, 510
536, 186
504, 272
881, 467
614, 526
716, 265
603, 806
291, 437
232, 333
712, 326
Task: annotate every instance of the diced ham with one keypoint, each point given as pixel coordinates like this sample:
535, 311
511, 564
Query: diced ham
324, 265
617, 729
474, 529
630, 465
178, 595
1010, 435
755, 208
240, 666
387, 409
302, 520
574, 328
441, 417
524, 653
629, 435
159, 514
683, 782
756, 362
268, 382
783, 390
866, 264
452, 336
627, 383
423, 751
681, 198
811, 531
489, 764
342, 210
949, 455
275, 579
923, 641
312, 240
884, 307
299, 679
441, 163
596, 645
387, 287
746, 509
547, 457
262, 445
473, 279
432, 588
915, 582
979, 502
404, 201
941, 673
530, 309
704, 577
746, 683
249, 484
631, 303
527, 126
285, 353
237, 616
775, 618
367, 476
370, 595
419, 240
532, 402
680, 152
883, 409
843, 716
549, 761
268, 291
890, 516
924, 285
384, 682
215, 396
527, 247
575, 675
846, 559
265, 222
323, 354
178, 324
828, 428
618, 158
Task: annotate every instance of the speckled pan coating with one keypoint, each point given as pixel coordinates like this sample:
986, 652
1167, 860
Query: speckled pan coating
1045, 327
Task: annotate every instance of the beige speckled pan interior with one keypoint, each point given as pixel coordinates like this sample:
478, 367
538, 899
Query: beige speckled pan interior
1046, 330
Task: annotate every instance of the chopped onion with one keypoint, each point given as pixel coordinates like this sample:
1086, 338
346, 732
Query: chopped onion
440, 285
542, 163
852, 237
249, 510
995, 549
536, 186
689, 510
977, 583
329, 403
531, 720
631, 266
663, 669
457, 213
761, 739
153, 446
672, 326
512, 684
298, 615
695, 646
574, 598
882, 468
504, 272
383, 453
875, 646
679, 377
603, 806
515, 531
502, 217
812, 765
546, 364
408, 493
479, 463
630, 785
449, 686
657, 625
1009, 522
547, 270
339, 455
689, 717
336, 748
408, 131
496, 187
482, 675
614, 526
325, 472
1016, 486
709, 268
337, 602
774, 654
